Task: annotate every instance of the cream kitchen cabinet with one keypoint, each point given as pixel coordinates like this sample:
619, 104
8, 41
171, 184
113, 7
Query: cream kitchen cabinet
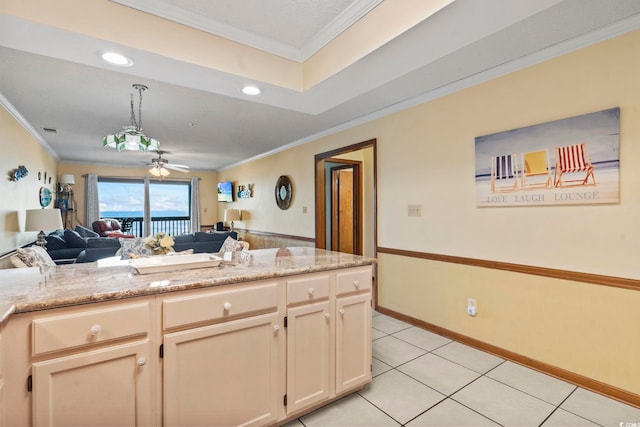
83, 366
309, 341
226, 373
110, 386
353, 328
328, 336
256, 352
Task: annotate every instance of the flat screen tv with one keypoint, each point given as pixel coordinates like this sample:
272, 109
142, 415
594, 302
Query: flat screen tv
225, 191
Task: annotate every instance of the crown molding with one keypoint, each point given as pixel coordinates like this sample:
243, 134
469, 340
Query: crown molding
13, 112
339, 24
605, 33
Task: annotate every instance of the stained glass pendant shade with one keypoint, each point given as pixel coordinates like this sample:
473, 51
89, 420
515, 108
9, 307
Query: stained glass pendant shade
131, 136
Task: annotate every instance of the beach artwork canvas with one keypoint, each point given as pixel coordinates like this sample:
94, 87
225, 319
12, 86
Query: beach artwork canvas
564, 162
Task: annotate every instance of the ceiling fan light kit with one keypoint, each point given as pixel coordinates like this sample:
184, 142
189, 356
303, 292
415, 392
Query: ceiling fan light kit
131, 137
159, 172
160, 166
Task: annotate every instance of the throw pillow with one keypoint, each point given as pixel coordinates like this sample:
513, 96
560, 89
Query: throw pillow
133, 248
231, 245
85, 232
74, 240
54, 242
16, 261
35, 256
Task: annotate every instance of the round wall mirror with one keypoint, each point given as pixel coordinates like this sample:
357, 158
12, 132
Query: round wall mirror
283, 192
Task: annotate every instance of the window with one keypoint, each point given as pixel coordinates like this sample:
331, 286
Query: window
123, 199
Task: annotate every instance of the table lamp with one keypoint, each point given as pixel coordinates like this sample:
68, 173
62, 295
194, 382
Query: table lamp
232, 215
43, 219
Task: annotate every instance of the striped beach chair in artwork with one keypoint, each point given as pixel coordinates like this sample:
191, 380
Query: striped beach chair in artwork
536, 173
504, 173
573, 160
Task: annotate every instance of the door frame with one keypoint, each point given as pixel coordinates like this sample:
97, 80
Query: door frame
319, 163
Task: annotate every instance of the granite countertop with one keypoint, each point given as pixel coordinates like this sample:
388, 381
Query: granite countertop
42, 288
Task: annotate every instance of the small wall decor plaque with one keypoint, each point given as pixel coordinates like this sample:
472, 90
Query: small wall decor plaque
18, 173
45, 197
244, 191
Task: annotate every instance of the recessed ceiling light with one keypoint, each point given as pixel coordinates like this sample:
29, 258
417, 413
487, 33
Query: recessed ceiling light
118, 59
251, 90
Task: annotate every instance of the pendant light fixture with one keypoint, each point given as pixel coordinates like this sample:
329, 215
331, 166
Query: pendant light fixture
131, 136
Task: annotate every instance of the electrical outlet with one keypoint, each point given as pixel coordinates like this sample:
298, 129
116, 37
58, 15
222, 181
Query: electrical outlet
472, 307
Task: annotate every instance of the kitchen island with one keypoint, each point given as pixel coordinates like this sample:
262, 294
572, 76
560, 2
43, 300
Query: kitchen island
260, 339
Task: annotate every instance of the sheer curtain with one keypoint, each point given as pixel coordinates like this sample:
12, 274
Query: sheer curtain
195, 205
91, 204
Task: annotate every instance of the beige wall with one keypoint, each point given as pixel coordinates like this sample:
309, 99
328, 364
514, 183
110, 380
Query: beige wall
20, 148
426, 157
207, 185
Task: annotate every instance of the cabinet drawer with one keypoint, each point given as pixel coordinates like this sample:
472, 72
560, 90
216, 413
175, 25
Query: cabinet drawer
308, 289
89, 327
220, 304
353, 280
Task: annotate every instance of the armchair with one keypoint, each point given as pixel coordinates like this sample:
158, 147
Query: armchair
109, 227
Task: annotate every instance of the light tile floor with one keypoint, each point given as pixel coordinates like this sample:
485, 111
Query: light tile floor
424, 379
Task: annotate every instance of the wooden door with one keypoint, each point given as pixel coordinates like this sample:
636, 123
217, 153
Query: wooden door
342, 211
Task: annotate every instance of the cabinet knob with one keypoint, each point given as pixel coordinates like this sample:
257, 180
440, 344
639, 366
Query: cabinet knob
95, 330
276, 328
341, 311
311, 291
141, 362
327, 315
227, 306
356, 283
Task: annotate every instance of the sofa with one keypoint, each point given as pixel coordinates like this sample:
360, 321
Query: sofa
64, 246
201, 242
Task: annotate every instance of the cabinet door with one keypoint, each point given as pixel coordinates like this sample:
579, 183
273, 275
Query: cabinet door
353, 342
106, 387
224, 374
308, 355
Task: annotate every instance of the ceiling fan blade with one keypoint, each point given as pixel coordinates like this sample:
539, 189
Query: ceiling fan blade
179, 168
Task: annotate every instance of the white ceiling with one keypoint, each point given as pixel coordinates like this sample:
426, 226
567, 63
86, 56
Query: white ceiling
52, 78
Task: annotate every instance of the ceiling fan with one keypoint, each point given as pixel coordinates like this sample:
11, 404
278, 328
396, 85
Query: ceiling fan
160, 166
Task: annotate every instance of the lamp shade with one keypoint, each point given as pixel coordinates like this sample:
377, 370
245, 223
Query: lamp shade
43, 219
232, 214
67, 179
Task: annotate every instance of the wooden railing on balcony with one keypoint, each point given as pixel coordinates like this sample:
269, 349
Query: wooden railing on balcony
172, 225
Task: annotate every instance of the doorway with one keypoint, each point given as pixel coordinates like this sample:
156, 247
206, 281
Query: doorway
359, 157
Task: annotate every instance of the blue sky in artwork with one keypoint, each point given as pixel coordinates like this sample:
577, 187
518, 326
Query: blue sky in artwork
599, 131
